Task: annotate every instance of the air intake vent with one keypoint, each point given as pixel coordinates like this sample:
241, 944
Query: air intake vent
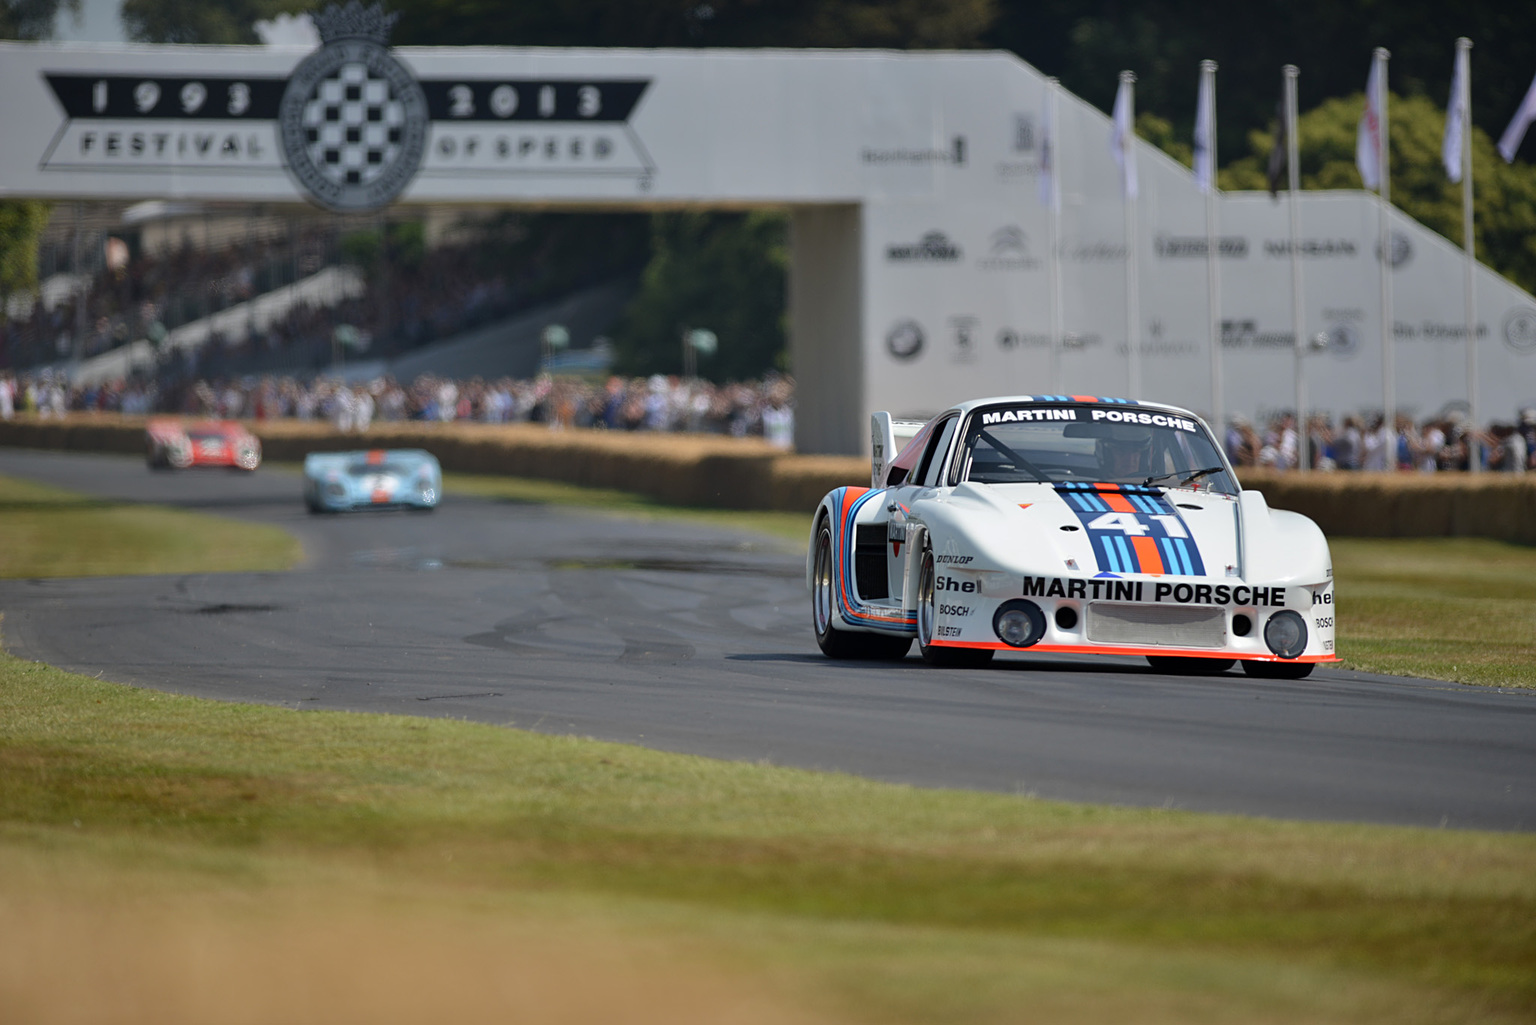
869, 562
1172, 626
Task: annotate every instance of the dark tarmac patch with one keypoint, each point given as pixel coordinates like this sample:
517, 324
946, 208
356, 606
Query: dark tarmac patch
655, 651
223, 608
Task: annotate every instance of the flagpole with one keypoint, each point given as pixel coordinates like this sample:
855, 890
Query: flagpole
1468, 243
1132, 280
1053, 267
1212, 263
1384, 196
1298, 311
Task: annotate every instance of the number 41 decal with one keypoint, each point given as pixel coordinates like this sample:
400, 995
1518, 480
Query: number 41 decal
1127, 523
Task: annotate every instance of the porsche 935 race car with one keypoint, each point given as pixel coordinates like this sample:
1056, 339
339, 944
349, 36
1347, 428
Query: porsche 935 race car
406, 478
172, 444
1067, 524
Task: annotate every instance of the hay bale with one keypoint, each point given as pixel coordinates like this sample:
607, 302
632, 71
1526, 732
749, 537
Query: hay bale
747, 473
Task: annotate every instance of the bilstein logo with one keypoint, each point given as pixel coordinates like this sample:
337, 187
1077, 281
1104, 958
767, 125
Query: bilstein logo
353, 120
933, 247
905, 339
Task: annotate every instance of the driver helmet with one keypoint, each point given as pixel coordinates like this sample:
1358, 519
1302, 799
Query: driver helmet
1126, 451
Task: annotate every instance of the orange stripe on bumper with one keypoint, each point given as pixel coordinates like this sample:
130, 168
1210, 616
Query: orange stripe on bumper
1086, 649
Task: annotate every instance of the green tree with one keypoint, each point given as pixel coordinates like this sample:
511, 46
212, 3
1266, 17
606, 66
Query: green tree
1086, 42
947, 24
21, 226
721, 271
1159, 132
197, 21
33, 19
22, 220
1504, 195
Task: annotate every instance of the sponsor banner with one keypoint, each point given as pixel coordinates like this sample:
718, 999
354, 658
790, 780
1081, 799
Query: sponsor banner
1228, 247
933, 247
1160, 592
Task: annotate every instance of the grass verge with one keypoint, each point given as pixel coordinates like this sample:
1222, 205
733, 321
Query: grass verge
49, 532
155, 848
1460, 609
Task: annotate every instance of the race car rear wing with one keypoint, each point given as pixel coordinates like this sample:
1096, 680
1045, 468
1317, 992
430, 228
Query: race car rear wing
887, 437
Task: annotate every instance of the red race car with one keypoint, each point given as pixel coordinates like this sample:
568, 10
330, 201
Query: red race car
172, 444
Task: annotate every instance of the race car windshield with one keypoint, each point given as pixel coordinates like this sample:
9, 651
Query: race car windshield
362, 468
1094, 443
205, 436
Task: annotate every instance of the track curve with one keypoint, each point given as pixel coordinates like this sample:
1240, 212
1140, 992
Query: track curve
699, 640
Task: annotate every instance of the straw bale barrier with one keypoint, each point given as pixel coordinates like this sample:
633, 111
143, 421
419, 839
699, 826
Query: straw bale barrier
745, 473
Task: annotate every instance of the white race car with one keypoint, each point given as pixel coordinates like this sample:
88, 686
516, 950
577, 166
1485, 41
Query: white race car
1056, 524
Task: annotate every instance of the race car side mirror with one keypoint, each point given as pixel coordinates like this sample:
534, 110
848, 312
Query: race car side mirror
882, 442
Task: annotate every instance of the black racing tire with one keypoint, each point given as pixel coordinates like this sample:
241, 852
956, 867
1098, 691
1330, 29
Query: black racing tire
1180, 665
945, 658
1278, 670
843, 644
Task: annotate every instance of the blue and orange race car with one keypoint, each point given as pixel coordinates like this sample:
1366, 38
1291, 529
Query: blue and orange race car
402, 478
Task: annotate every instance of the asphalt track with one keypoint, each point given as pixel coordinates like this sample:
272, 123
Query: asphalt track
689, 639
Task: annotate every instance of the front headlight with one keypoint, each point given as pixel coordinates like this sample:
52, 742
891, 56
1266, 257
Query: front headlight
1018, 623
1286, 633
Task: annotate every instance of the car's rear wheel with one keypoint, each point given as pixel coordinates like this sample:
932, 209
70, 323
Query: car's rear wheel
1189, 666
835, 643
927, 615
1278, 670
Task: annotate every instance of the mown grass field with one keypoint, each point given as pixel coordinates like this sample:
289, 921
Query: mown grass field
167, 859
49, 532
175, 825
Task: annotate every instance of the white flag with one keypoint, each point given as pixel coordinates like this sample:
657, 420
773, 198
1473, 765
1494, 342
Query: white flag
1456, 117
1047, 153
1205, 159
1122, 138
1509, 143
1368, 138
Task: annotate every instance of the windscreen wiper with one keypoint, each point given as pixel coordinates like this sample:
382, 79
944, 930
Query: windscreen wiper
1196, 475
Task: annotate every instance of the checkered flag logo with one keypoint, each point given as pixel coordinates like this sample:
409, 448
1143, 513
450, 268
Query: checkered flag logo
353, 119
353, 126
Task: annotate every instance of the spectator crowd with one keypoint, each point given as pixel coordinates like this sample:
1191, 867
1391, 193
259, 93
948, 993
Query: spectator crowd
405, 303
762, 408
1367, 443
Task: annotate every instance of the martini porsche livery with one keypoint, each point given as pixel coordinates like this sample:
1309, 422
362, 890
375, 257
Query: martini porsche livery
174, 445
407, 478
1067, 524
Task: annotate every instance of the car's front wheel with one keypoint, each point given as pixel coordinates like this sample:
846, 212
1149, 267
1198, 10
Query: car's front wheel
927, 615
835, 643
